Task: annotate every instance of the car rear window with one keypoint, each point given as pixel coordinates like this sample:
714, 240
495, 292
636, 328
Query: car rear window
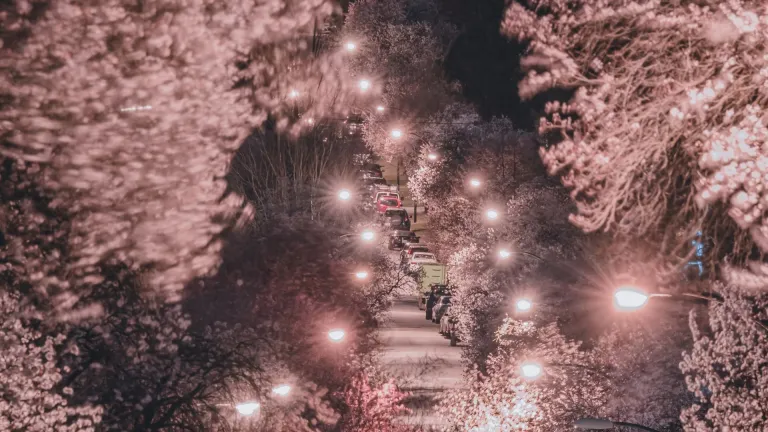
421, 249
389, 202
422, 255
393, 213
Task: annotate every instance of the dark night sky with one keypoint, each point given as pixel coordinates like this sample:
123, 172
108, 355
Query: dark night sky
486, 63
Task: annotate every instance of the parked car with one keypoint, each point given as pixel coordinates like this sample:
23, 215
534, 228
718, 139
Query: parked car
408, 251
442, 305
419, 258
396, 218
396, 239
372, 182
444, 321
387, 202
378, 195
448, 327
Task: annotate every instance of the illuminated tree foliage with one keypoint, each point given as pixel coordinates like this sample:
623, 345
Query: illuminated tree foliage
665, 120
726, 368
133, 109
32, 397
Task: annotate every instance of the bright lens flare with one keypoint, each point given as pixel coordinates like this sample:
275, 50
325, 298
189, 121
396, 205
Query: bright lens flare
247, 408
397, 133
350, 46
282, 390
505, 253
368, 235
432, 156
492, 214
344, 195
293, 94
361, 275
524, 305
336, 335
630, 298
475, 183
380, 108
530, 370
364, 85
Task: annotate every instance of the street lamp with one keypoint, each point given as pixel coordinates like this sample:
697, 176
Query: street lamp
492, 214
350, 46
432, 156
523, 305
344, 195
364, 85
336, 335
630, 298
475, 183
293, 94
282, 390
380, 108
531, 370
368, 235
504, 254
601, 424
361, 275
247, 408
396, 133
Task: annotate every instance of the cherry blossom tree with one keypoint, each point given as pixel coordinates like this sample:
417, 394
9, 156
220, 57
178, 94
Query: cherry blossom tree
668, 95
132, 113
617, 377
725, 370
401, 45
32, 395
373, 405
664, 136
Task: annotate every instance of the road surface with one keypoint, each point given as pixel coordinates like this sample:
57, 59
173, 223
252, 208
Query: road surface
420, 357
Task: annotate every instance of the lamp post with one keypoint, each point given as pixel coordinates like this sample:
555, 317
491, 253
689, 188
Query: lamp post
247, 408
630, 298
532, 369
523, 305
601, 424
344, 195
505, 254
282, 390
336, 335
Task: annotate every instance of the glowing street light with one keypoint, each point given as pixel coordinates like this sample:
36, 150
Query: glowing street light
364, 85
475, 183
380, 108
350, 46
396, 133
531, 370
336, 335
492, 214
282, 390
630, 298
361, 275
523, 305
432, 156
247, 408
293, 94
504, 254
344, 195
368, 235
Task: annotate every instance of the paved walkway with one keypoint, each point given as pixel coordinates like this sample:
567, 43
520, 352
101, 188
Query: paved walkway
420, 357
